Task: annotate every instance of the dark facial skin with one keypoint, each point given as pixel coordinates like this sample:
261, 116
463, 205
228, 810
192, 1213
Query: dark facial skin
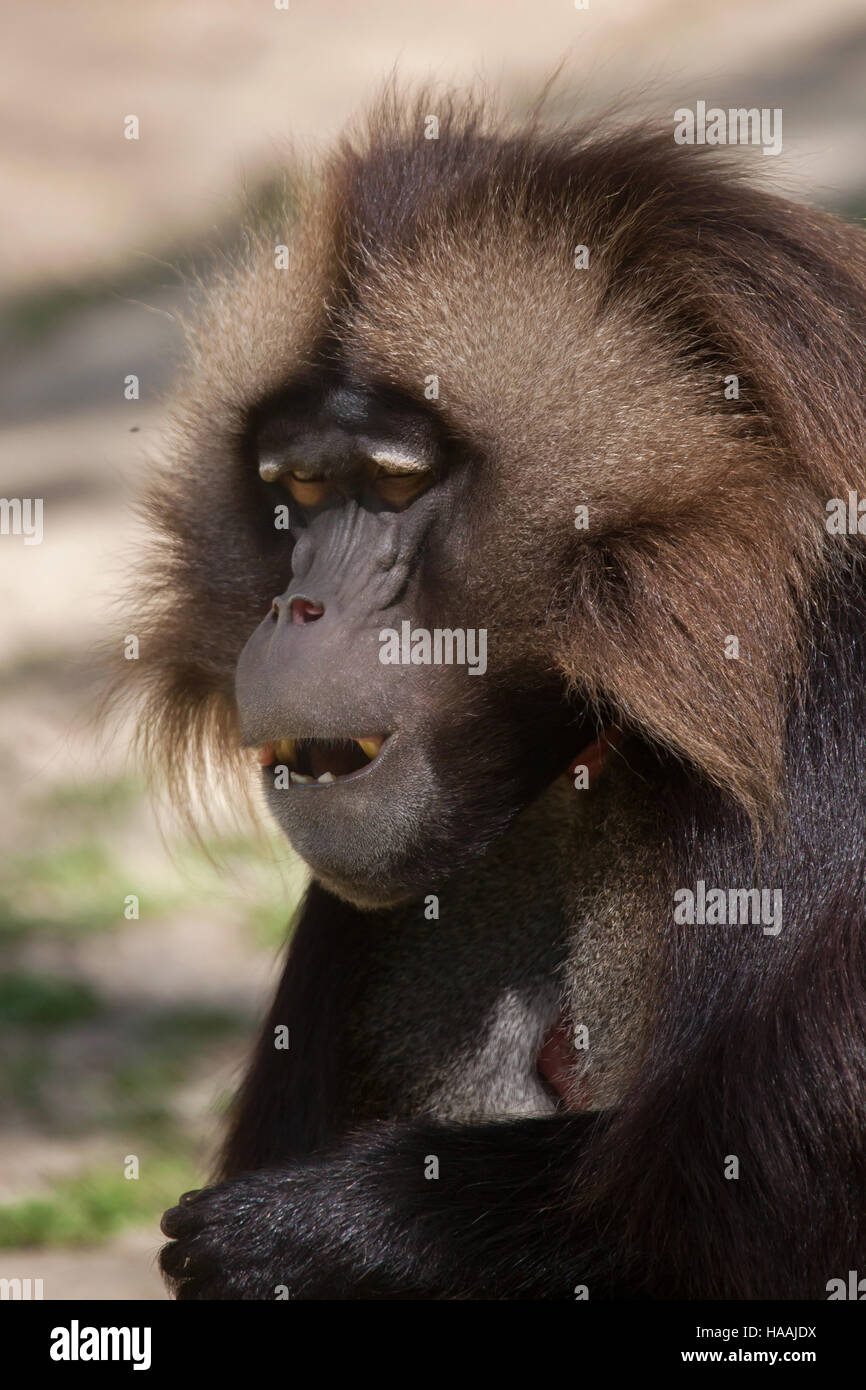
448, 757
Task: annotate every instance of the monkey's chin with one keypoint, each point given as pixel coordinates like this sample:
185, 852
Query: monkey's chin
413, 818
372, 897
380, 850
371, 865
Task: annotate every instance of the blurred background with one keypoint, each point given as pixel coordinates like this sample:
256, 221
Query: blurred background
119, 1037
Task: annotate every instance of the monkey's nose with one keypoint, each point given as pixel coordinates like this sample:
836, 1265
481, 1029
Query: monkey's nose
305, 612
296, 609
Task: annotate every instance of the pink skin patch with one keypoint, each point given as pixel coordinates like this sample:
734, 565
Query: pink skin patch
558, 1064
594, 756
304, 612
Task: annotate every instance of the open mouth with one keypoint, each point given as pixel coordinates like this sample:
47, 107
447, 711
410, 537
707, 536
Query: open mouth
321, 762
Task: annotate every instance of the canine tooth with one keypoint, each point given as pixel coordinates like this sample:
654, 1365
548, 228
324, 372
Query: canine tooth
370, 746
327, 777
285, 749
300, 778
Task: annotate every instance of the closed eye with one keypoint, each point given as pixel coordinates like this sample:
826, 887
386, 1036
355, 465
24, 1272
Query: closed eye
399, 486
395, 485
308, 489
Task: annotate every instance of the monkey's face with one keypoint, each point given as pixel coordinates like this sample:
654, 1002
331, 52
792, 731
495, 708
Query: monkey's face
580, 520
400, 716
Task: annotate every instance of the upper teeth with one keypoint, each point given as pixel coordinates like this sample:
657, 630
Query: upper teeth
371, 746
283, 751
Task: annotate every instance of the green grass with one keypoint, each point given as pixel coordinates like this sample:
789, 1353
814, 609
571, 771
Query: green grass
98, 801
77, 1064
164, 1051
40, 1001
129, 1080
92, 1207
74, 885
70, 889
81, 887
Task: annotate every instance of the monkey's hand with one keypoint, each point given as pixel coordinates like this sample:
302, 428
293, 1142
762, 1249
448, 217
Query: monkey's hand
251, 1238
408, 1211
270, 1234
295, 1232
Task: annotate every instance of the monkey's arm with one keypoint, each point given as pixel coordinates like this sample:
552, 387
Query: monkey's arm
366, 1221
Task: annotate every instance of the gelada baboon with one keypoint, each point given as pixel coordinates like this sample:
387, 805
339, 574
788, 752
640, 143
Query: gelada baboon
499, 521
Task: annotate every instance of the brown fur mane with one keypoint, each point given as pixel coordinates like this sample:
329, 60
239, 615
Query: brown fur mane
602, 387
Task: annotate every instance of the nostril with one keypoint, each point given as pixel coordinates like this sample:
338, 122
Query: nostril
303, 611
